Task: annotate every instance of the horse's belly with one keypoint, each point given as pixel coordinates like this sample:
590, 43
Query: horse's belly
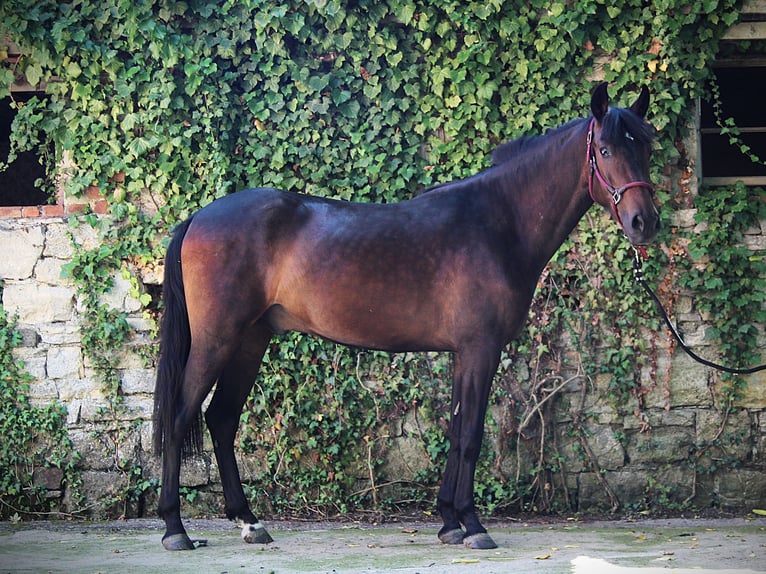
364, 326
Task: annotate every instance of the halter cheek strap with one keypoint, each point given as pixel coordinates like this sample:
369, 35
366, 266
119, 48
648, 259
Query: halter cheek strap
615, 193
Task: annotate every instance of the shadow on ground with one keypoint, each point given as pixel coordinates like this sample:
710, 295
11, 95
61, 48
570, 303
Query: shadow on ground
681, 546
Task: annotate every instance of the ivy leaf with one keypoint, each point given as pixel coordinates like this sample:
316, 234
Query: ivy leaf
557, 9
406, 13
350, 109
486, 90
123, 88
138, 146
709, 6
206, 10
73, 70
33, 73
482, 12
438, 75
294, 23
318, 83
340, 97
452, 101
521, 69
128, 122
394, 58
261, 19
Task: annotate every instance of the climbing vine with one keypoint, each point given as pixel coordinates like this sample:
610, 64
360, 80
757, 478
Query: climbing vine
164, 106
35, 438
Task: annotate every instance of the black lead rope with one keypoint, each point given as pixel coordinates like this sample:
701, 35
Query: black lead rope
638, 272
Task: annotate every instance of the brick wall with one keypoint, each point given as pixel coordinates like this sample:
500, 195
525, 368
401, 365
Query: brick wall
64, 206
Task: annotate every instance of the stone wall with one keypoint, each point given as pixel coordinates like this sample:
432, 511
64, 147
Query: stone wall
45, 302
638, 457
646, 455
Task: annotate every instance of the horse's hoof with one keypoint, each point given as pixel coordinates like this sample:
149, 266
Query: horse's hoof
255, 534
480, 541
178, 541
454, 536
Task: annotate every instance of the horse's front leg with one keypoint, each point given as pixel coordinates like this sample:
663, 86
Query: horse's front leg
452, 532
472, 380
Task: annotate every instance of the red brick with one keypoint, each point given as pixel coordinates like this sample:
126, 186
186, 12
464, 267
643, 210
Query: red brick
74, 207
10, 212
93, 192
101, 207
30, 211
56, 210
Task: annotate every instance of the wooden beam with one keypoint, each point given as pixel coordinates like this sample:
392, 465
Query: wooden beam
752, 180
746, 31
754, 7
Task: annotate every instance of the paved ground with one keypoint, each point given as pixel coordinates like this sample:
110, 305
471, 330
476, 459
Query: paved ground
680, 546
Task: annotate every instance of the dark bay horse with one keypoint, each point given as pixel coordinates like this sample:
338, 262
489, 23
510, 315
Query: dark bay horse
453, 269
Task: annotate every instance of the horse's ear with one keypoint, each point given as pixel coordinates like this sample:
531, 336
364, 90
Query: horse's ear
599, 101
641, 105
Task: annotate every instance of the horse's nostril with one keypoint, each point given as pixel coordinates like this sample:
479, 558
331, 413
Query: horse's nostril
638, 223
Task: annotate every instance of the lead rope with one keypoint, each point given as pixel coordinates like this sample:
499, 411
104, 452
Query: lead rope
638, 273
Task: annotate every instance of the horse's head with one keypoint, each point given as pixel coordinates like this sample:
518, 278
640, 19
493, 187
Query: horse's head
619, 144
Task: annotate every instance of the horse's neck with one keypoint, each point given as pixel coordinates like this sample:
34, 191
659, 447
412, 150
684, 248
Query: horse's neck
547, 196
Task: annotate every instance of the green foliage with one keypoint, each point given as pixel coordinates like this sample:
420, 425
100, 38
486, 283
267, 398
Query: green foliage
319, 433
732, 277
167, 105
34, 438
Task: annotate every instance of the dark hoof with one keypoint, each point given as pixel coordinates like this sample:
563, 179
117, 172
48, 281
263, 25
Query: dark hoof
177, 542
255, 534
480, 541
454, 536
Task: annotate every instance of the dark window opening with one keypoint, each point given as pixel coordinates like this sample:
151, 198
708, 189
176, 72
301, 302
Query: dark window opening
741, 89
17, 181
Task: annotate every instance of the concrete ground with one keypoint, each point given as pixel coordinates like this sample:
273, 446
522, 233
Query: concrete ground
679, 546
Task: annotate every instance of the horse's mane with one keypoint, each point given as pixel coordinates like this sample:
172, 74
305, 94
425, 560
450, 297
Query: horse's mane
616, 123
506, 151
511, 149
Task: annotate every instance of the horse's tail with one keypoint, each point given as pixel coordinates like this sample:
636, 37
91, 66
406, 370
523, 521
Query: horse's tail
175, 343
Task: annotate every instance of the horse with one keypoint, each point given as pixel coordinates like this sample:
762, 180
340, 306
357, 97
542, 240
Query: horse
452, 269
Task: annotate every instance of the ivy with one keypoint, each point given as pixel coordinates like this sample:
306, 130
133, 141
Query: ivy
733, 279
165, 106
34, 437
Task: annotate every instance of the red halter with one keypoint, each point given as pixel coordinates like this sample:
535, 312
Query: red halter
614, 192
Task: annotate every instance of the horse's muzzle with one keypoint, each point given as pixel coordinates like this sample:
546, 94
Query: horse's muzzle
642, 227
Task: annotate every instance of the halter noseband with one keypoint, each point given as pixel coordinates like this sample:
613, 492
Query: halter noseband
615, 192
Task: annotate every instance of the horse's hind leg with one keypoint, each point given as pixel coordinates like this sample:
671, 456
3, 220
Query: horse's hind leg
222, 417
200, 374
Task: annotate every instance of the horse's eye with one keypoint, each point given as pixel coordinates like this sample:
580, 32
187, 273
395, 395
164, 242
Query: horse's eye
604, 152
629, 136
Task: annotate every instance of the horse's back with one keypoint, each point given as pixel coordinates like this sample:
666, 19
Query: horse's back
250, 210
